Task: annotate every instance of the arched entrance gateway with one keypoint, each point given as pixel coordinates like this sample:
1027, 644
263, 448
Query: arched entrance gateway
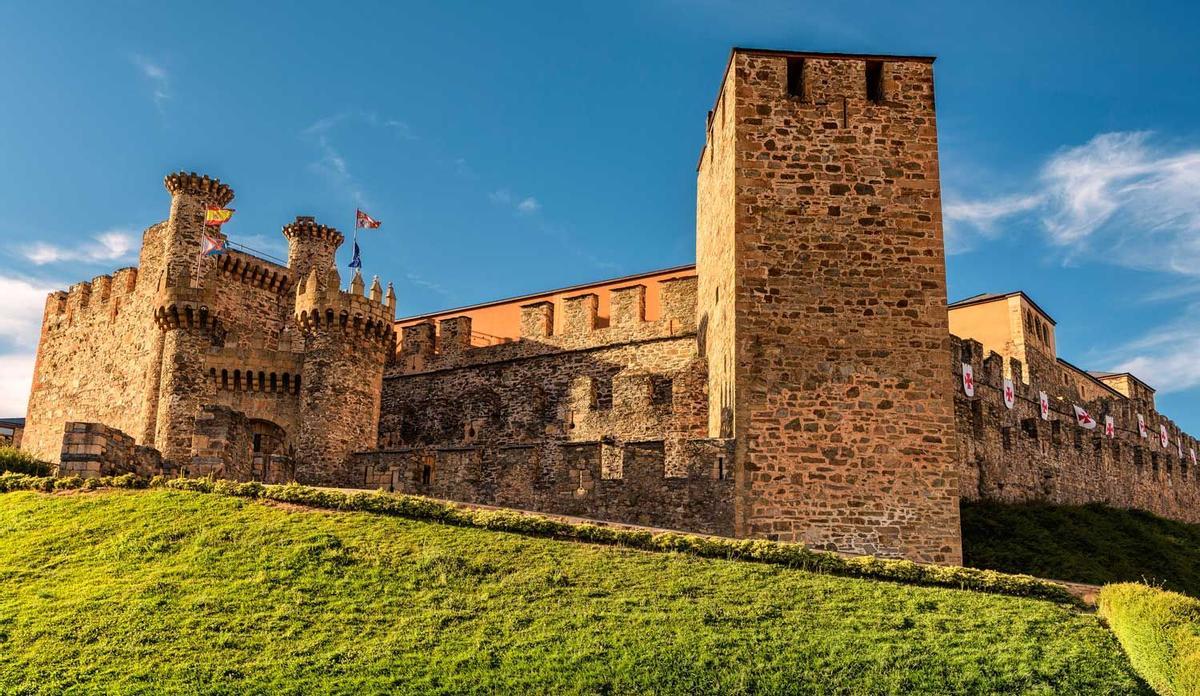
270, 452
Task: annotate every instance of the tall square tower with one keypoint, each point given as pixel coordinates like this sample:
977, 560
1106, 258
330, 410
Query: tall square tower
823, 302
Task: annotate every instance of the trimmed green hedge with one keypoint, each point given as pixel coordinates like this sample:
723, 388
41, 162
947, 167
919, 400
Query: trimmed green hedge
417, 508
13, 459
1160, 631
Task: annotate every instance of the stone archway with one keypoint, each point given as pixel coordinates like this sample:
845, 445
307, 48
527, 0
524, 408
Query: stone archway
270, 452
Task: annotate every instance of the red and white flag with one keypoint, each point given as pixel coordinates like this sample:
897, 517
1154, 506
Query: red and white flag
1162, 435
968, 379
1044, 403
1142, 426
1084, 419
1010, 394
1110, 427
364, 221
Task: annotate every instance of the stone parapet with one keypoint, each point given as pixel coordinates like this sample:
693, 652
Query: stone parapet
321, 305
202, 186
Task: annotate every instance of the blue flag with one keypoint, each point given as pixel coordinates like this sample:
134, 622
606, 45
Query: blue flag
356, 262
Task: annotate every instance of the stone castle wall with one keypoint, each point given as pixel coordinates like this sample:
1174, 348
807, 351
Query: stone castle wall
599, 421
1013, 455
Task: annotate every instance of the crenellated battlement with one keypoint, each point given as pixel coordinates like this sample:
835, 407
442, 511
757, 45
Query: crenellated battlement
425, 346
208, 189
1017, 454
104, 294
321, 304
306, 227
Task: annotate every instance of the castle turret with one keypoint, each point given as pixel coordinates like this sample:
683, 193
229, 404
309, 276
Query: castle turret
348, 338
190, 194
185, 313
310, 245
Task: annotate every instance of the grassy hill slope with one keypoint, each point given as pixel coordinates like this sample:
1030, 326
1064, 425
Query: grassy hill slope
1089, 543
146, 592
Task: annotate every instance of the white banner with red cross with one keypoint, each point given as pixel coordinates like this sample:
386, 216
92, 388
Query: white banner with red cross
1162, 435
1044, 403
1010, 394
968, 379
1142, 426
1084, 419
1110, 427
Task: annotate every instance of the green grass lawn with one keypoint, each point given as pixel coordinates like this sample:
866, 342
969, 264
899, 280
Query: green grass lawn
1089, 543
168, 591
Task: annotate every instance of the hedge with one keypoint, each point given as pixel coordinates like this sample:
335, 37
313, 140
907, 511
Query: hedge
13, 459
413, 507
1160, 631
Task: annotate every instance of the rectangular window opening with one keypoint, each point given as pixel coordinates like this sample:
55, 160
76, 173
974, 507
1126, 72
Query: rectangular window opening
795, 77
875, 81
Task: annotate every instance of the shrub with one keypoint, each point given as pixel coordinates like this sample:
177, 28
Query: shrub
1160, 631
413, 507
13, 459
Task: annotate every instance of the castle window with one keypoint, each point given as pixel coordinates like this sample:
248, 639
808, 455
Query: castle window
237, 380
1006, 437
720, 468
795, 77
1029, 427
224, 379
287, 382
297, 384
426, 474
875, 81
273, 383
661, 390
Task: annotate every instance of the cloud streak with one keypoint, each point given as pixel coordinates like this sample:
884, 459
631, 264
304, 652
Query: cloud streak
109, 246
20, 325
1120, 198
1167, 358
158, 77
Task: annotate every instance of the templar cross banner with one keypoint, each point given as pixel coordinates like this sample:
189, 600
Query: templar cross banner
1044, 402
1142, 426
968, 379
1084, 419
1162, 436
1110, 427
1010, 394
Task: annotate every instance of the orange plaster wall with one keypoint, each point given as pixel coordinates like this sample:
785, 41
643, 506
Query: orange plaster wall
493, 322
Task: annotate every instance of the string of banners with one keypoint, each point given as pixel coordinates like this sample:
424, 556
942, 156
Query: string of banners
1083, 419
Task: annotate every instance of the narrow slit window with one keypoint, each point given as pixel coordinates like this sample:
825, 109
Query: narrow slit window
795, 77
875, 81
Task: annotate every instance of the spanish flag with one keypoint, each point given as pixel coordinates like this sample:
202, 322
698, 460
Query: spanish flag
215, 216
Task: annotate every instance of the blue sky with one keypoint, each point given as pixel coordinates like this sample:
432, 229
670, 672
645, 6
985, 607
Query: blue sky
511, 147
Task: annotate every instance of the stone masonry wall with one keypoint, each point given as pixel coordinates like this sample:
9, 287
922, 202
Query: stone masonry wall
1013, 455
606, 422
91, 450
843, 407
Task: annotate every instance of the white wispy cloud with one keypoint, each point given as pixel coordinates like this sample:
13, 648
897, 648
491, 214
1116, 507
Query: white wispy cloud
1168, 357
158, 77
20, 325
1121, 198
331, 164
16, 378
526, 205
110, 246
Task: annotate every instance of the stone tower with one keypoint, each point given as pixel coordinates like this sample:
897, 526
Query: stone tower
310, 245
823, 302
348, 337
184, 312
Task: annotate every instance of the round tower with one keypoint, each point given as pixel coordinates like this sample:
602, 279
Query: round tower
190, 194
185, 313
310, 245
348, 337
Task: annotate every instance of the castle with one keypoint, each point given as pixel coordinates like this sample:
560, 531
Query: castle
806, 380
